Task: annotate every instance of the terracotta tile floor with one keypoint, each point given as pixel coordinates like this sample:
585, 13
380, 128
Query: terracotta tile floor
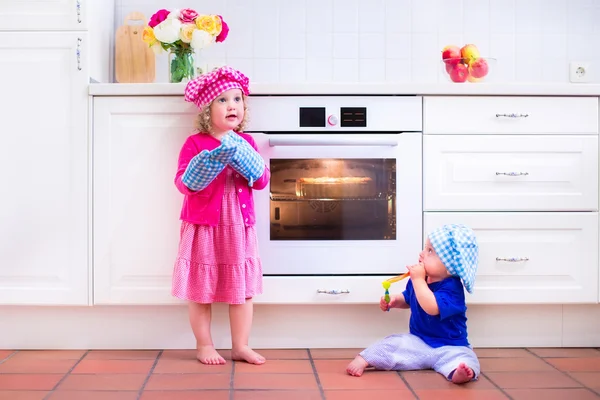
302, 374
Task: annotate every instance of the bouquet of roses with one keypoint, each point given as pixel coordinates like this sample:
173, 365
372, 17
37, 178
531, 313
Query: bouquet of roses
182, 32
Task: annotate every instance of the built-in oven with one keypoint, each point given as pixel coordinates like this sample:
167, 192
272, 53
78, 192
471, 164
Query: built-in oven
345, 196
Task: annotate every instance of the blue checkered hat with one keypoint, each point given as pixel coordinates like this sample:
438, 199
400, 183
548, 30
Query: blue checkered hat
457, 247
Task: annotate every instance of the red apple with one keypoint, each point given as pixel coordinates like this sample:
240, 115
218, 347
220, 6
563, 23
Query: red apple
451, 54
479, 68
459, 73
448, 67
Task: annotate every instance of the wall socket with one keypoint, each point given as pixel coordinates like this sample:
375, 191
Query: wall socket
579, 72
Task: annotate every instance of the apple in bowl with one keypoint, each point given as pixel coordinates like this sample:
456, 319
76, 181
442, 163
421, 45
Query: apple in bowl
478, 70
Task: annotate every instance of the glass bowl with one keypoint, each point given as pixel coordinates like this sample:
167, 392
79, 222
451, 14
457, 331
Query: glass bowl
479, 69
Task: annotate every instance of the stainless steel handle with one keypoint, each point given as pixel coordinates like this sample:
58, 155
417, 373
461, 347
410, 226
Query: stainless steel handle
333, 291
512, 173
332, 141
78, 5
513, 259
512, 115
78, 52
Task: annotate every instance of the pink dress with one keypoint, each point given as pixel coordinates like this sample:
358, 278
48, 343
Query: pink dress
220, 263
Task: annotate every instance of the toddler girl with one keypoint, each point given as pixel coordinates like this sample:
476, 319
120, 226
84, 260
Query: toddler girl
218, 258
438, 322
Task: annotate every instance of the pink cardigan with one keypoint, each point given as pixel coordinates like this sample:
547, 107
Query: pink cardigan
204, 206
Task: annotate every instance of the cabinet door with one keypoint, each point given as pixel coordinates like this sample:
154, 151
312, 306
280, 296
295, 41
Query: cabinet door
43, 15
44, 169
136, 205
497, 173
531, 257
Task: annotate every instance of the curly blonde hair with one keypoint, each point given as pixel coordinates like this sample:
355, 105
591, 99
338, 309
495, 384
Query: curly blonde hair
204, 124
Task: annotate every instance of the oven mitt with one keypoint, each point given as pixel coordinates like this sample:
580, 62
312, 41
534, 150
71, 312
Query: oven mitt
246, 160
206, 165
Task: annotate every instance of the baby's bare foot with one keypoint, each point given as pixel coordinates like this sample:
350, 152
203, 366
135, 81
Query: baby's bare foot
247, 354
208, 355
462, 374
357, 366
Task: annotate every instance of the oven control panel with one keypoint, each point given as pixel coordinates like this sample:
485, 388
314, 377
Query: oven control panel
316, 117
351, 114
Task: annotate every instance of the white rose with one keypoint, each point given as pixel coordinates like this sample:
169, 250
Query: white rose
201, 39
174, 14
168, 30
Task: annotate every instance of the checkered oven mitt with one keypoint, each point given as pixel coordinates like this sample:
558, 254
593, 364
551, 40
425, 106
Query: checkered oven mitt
246, 160
206, 165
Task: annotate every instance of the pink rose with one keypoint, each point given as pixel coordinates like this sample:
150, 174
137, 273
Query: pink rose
187, 15
158, 17
224, 31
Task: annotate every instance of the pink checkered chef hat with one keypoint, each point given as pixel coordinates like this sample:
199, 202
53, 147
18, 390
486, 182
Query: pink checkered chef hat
207, 87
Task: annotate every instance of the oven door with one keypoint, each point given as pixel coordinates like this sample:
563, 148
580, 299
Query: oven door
340, 204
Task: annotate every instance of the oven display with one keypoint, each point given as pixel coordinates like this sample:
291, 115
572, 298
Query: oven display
333, 199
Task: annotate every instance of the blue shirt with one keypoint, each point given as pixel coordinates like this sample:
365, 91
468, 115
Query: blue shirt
447, 328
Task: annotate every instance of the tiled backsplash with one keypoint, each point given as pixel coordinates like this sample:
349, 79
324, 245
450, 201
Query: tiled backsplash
296, 41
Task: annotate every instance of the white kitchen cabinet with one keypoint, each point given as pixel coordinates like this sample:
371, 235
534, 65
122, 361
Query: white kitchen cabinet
44, 168
477, 115
43, 15
136, 143
508, 172
531, 258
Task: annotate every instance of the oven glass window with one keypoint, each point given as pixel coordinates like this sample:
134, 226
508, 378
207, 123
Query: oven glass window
333, 199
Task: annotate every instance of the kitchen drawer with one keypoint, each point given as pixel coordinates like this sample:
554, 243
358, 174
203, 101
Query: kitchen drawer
531, 257
511, 115
340, 289
504, 173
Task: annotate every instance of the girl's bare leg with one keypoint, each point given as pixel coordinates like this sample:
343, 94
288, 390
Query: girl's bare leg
240, 319
200, 316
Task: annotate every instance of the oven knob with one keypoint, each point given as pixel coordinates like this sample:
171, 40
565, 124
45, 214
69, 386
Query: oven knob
332, 120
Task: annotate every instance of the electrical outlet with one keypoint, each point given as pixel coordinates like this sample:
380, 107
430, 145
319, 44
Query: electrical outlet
579, 72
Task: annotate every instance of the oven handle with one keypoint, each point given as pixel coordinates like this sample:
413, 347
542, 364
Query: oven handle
332, 141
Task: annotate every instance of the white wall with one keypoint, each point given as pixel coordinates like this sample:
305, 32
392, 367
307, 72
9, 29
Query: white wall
393, 40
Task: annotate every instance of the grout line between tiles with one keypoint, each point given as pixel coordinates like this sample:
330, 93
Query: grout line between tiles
65, 376
564, 373
11, 355
231, 380
495, 385
160, 353
314, 368
407, 384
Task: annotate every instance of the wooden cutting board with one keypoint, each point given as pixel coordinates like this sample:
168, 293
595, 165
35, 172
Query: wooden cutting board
134, 59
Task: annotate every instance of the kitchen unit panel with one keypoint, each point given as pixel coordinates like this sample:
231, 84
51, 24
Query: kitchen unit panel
44, 169
136, 205
44, 15
510, 115
503, 172
531, 258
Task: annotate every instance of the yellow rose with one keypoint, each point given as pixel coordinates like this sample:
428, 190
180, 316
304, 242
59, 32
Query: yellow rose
207, 23
218, 24
148, 35
185, 34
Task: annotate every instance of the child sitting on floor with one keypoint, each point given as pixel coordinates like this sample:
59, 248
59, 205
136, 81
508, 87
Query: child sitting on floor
438, 322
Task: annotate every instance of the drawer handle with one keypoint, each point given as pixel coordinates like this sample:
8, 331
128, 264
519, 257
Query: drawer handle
333, 291
512, 173
513, 259
512, 115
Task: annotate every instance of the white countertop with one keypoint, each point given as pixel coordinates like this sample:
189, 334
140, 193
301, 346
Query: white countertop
544, 89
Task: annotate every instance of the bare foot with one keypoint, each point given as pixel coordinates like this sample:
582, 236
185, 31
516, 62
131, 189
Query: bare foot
208, 355
357, 366
247, 354
462, 374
